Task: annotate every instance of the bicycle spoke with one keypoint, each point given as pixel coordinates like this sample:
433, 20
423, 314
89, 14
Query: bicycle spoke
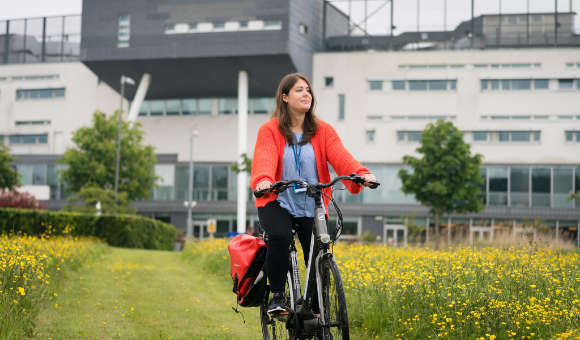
335, 313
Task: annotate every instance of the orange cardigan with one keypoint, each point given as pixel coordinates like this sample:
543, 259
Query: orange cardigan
269, 153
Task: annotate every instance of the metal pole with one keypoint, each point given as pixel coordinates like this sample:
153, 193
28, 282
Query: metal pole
472, 23
242, 148
7, 41
445, 15
189, 230
43, 49
118, 159
392, 17
528, 22
556, 23
366, 14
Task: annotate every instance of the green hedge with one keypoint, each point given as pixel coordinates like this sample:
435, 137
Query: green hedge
128, 231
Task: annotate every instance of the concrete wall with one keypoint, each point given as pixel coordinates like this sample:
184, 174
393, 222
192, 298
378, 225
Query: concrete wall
84, 94
351, 72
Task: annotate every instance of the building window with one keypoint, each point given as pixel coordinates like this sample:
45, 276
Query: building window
227, 106
263, 105
144, 109
272, 24
376, 85
173, 107
565, 84
479, 136
409, 136
398, 85
243, 24
303, 29
341, 108
156, 107
26, 94
205, 106
370, 135
541, 84
189, 106
29, 139
572, 136
418, 85
124, 31
329, 81
31, 122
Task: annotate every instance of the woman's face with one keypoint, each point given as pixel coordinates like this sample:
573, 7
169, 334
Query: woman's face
299, 97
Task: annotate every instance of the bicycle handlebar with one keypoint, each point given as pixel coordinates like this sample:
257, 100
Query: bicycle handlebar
281, 186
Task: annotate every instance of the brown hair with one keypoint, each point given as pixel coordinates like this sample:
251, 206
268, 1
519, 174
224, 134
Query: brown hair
283, 114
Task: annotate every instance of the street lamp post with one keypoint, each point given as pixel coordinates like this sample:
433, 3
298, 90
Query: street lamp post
189, 231
119, 130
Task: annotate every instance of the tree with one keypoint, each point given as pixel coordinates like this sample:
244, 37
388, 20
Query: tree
87, 198
244, 165
9, 177
92, 162
447, 178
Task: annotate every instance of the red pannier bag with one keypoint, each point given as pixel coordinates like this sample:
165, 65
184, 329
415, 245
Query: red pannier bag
247, 257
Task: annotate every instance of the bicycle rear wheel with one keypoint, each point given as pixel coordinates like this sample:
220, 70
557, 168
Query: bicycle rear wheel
274, 328
335, 315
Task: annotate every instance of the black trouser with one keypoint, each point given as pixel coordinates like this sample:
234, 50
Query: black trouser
277, 222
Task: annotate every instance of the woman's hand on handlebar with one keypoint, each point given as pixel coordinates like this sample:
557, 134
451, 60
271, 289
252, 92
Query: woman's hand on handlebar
369, 178
265, 184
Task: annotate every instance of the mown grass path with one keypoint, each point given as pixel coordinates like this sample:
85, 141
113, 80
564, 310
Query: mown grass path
143, 294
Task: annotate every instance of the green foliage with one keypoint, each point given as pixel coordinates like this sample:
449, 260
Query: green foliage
368, 237
127, 231
9, 177
244, 166
92, 162
447, 177
87, 199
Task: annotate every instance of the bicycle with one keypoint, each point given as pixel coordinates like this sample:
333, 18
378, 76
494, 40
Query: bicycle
301, 322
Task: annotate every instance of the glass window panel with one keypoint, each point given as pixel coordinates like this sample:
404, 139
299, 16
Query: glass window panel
498, 181
181, 182
565, 84
480, 136
578, 136
482, 186
437, 85
370, 135
521, 84
201, 182
166, 174
541, 84
569, 136
156, 107
189, 106
28, 139
504, 136
563, 178
537, 135
390, 190
495, 84
375, 85
414, 136
520, 136
227, 106
43, 139
328, 81
453, 84
39, 174
484, 84
400, 136
418, 85
341, 100
519, 186
263, 105
144, 109
219, 179
173, 107
26, 173
541, 187
398, 84
505, 84
205, 106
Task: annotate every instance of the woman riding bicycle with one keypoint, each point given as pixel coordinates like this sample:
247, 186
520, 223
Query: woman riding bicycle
295, 144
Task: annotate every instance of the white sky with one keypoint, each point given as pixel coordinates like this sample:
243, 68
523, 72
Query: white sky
431, 14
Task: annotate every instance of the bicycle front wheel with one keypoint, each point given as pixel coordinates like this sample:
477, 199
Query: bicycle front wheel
335, 316
274, 328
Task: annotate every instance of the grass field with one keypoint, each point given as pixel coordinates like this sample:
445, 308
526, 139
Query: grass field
64, 288
456, 293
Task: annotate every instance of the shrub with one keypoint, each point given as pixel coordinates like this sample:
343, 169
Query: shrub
15, 199
128, 231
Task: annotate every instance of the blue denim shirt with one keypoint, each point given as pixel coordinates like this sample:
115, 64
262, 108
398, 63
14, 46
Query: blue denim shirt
297, 203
